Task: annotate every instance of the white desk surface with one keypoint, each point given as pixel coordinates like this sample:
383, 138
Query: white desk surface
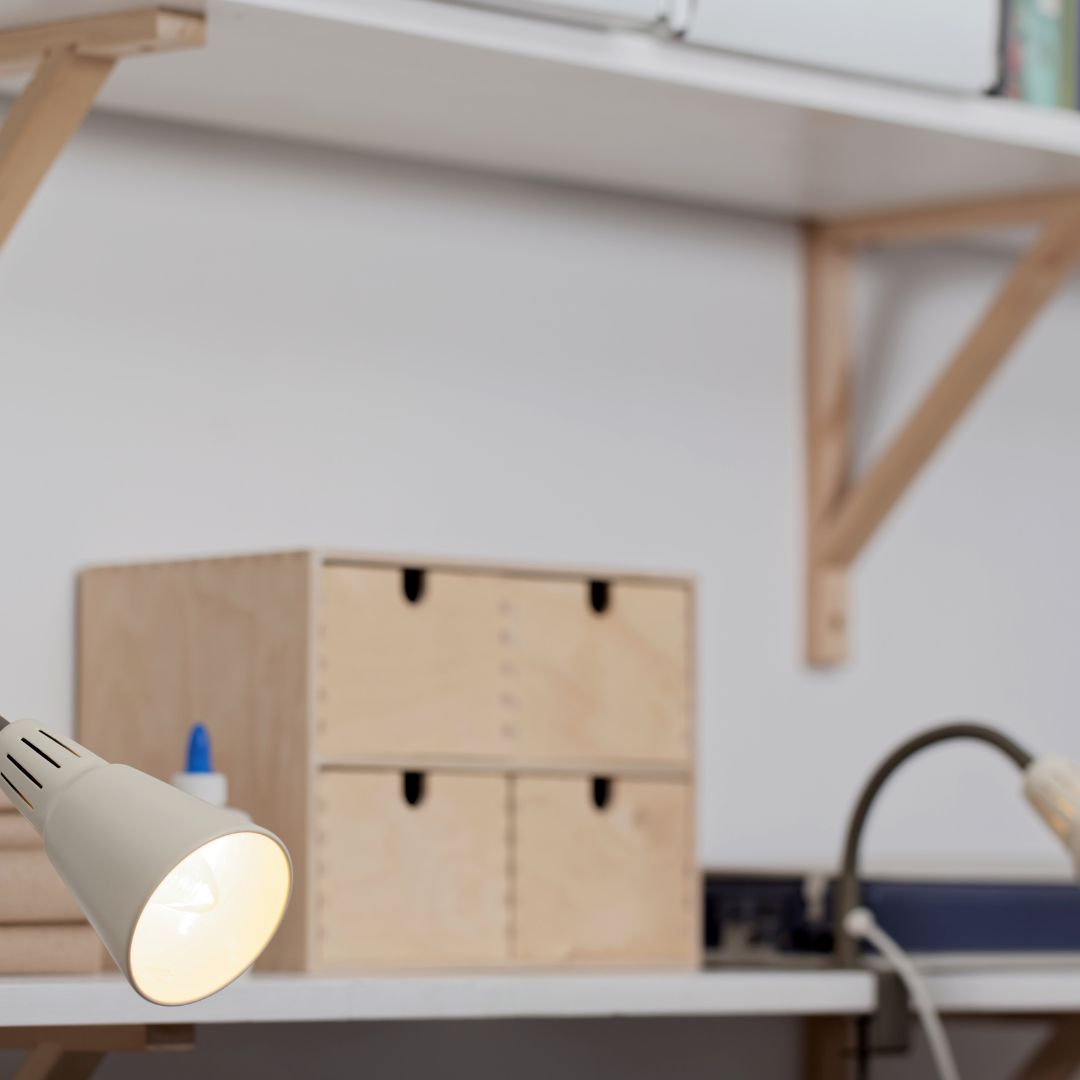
107, 999
989, 986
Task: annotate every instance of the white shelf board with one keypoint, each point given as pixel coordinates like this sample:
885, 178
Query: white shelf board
619, 111
107, 999
992, 986
996, 985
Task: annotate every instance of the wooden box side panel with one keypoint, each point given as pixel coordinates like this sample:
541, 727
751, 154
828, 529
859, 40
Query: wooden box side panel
225, 643
609, 886
410, 886
696, 883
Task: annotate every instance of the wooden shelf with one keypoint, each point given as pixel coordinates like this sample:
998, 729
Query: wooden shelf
623, 112
998, 987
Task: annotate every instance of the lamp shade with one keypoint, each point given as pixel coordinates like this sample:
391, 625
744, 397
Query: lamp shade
1052, 786
184, 895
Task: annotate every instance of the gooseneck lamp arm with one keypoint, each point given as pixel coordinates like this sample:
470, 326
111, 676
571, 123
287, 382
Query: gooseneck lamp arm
848, 890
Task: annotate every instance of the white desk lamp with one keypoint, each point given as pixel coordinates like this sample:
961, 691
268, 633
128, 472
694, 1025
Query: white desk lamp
184, 895
1052, 786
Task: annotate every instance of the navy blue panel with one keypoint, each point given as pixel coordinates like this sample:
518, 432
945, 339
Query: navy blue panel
922, 916
934, 917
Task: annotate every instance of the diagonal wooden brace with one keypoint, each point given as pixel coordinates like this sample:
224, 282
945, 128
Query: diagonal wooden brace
1059, 1057
843, 512
38, 126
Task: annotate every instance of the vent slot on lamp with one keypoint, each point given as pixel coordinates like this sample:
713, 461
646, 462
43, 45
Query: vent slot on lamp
25, 771
37, 750
62, 745
3, 776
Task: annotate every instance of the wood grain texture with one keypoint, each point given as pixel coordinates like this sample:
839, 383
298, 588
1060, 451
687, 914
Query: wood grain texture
31, 891
39, 124
403, 886
1032, 282
399, 678
827, 430
104, 1037
258, 648
73, 949
584, 688
224, 643
50, 1061
17, 832
1059, 1057
828, 1042
603, 886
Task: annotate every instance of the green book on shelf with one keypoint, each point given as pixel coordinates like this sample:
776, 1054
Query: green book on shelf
1038, 32
1067, 82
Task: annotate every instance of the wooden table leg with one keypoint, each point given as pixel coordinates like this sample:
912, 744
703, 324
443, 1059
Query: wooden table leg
1059, 1057
49, 1061
73, 1053
828, 1046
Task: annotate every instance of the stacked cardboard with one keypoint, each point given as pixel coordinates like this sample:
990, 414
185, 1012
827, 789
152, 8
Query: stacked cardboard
42, 930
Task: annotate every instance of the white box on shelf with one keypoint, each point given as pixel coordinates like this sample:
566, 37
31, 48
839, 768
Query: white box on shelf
615, 14
953, 46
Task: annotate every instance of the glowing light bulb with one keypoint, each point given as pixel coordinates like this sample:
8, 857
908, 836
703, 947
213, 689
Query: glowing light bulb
208, 920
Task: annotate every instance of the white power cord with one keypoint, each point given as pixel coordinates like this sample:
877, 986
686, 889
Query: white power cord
861, 925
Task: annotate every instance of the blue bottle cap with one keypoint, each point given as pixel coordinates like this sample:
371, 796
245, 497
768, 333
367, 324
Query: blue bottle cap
198, 751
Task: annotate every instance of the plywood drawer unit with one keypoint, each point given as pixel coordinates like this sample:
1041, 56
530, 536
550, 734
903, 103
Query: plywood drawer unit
411, 870
425, 739
603, 872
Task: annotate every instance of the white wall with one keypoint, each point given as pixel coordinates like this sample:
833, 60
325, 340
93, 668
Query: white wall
215, 344
211, 344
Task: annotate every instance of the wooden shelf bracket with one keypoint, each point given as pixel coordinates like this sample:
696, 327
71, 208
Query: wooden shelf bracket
74, 1053
843, 511
71, 60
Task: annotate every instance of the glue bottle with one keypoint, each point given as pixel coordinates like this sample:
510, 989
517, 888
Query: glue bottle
199, 778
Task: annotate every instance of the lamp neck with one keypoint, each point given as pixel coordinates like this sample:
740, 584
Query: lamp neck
848, 892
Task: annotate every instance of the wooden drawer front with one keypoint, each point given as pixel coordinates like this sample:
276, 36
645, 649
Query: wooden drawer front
402, 885
588, 686
402, 678
604, 885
